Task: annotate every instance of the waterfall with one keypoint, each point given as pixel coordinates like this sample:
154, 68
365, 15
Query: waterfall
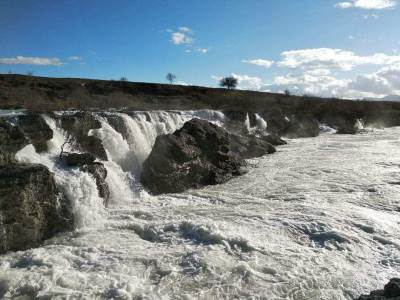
127, 147
78, 187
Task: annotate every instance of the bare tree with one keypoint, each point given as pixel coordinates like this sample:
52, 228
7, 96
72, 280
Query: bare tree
171, 78
123, 78
228, 82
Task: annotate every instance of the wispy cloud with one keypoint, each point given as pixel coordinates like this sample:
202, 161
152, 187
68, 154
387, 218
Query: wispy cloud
37, 61
184, 35
259, 62
75, 58
367, 4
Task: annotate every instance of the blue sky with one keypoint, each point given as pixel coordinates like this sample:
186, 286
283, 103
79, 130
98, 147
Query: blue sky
346, 48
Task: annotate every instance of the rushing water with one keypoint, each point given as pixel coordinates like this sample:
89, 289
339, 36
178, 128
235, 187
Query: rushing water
317, 220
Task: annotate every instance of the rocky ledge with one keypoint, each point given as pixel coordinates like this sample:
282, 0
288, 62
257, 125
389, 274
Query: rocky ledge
391, 291
199, 154
29, 206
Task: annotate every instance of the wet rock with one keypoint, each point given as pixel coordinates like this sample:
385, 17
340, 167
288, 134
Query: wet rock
274, 140
29, 207
86, 163
12, 140
391, 291
196, 155
77, 159
36, 130
250, 146
79, 125
301, 127
99, 173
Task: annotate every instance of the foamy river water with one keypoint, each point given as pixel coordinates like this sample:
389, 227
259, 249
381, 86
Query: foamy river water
319, 219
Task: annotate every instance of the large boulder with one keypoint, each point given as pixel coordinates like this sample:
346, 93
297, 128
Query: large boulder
29, 207
12, 140
78, 126
36, 130
198, 154
391, 291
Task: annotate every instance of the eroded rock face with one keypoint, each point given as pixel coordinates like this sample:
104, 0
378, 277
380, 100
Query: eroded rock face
79, 125
36, 130
250, 146
12, 140
391, 291
99, 173
29, 207
77, 159
198, 154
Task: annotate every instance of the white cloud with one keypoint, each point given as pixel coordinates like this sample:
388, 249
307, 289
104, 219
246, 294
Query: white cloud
185, 29
367, 4
179, 38
332, 58
202, 50
259, 62
38, 61
182, 36
75, 58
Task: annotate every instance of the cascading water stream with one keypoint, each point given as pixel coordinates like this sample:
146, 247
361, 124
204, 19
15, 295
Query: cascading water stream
78, 187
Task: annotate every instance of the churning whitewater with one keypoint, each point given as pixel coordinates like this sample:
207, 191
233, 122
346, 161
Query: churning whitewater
316, 220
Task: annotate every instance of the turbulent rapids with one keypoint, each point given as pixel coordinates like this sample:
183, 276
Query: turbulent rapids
316, 220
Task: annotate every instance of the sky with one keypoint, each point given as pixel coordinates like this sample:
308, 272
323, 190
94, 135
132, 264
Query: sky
340, 48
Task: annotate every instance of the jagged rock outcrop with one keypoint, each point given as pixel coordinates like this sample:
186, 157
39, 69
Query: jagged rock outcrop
12, 140
99, 173
198, 154
77, 159
86, 162
29, 207
79, 125
391, 291
274, 140
300, 127
250, 146
36, 130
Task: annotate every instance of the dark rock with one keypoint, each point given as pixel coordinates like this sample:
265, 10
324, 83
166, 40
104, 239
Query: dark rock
36, 130
77, 159
391, 291
12, 140
274, 140
250, 146
301, 127
347, 128
79, 125
99, 173
28, 207
197, 155
86, 163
